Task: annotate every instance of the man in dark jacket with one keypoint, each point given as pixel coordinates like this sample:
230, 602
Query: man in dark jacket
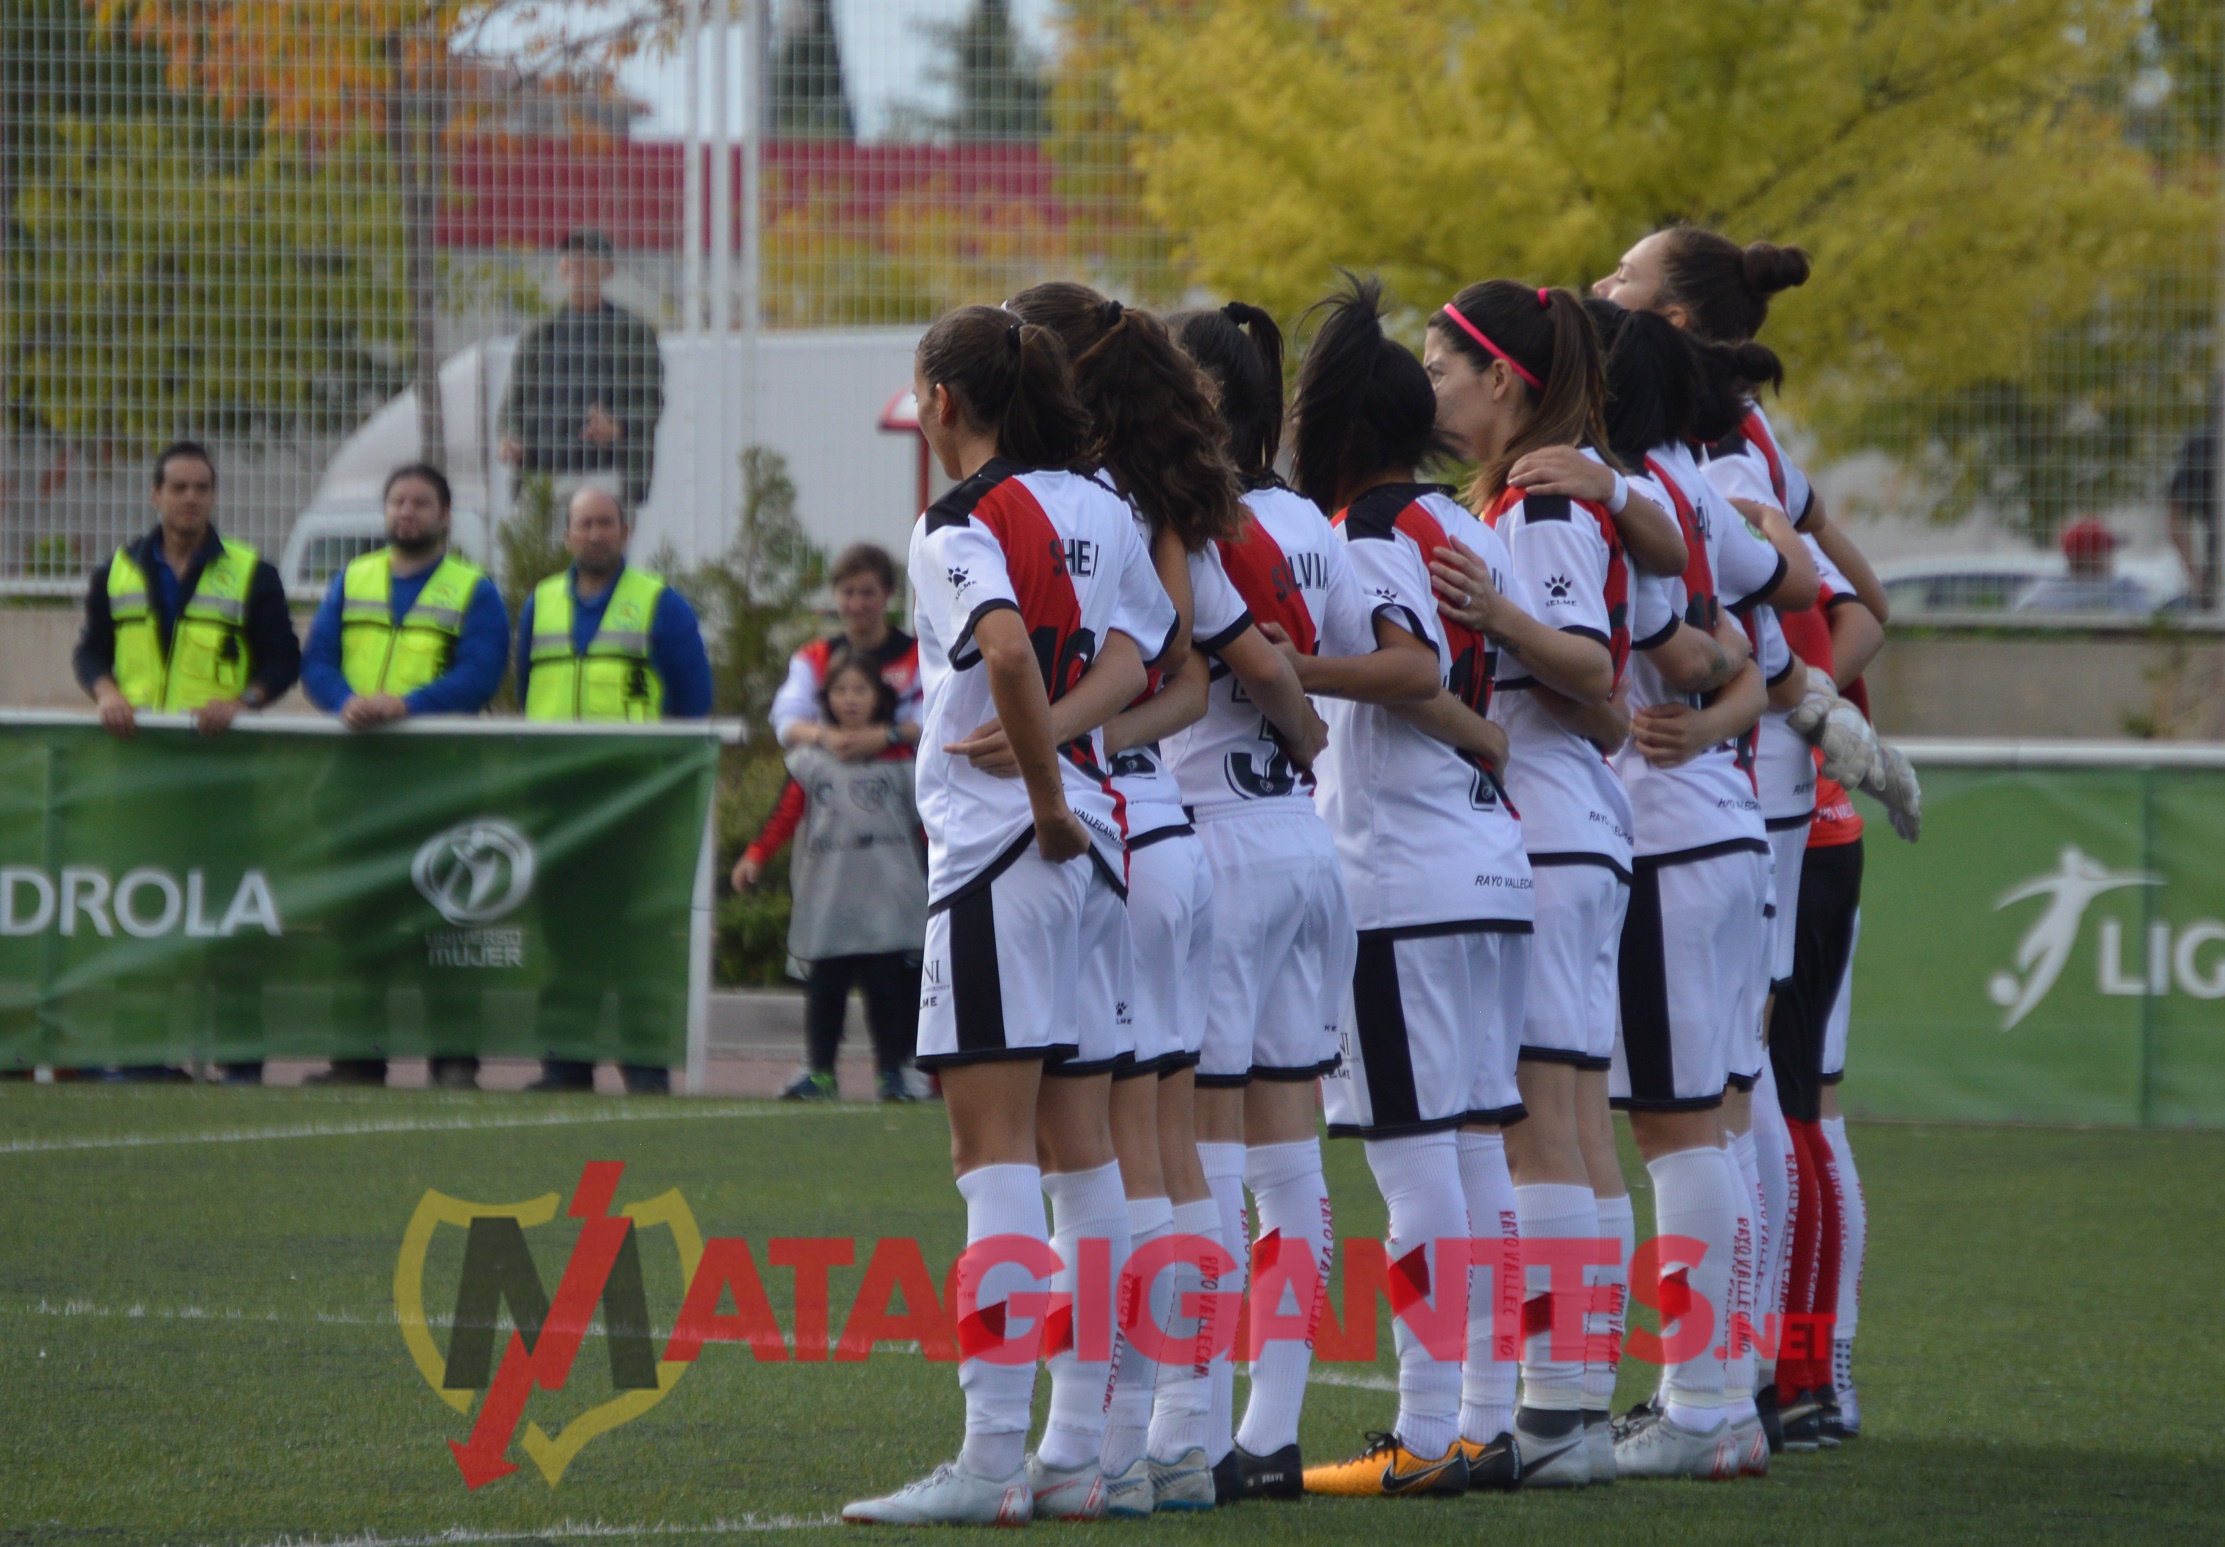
185, 620
587, 384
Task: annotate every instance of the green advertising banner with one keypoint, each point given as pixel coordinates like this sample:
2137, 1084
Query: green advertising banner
2053, 951
295, 890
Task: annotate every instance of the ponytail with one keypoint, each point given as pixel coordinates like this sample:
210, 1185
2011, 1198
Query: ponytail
1548, 339
1364, 405
1011, 381
1240, 350
1152, 423
1725, 288
1653, 379
1731, 375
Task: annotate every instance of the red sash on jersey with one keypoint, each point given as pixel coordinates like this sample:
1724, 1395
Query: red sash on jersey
1260, 572
1616, 592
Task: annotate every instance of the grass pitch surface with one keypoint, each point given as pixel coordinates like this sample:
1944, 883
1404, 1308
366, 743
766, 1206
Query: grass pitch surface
198, 1338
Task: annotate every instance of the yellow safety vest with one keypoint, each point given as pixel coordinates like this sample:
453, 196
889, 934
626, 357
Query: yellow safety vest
208, 656
615, 680
376, 656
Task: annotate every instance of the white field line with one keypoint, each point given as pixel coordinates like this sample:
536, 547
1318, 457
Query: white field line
88, 1309
674, 1113
567, 1531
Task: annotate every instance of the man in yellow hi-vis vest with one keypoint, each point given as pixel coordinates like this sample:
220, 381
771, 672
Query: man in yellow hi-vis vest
183, 619
409, 629
605, 643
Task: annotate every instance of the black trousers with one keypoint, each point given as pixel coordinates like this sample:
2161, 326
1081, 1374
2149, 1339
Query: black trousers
891, 984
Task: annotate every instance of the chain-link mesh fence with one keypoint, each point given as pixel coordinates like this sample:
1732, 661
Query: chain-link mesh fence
326, 236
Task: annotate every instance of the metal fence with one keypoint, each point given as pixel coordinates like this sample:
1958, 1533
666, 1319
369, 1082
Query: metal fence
322, 234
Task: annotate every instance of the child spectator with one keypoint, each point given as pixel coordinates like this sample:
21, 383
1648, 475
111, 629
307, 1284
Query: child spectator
859, 879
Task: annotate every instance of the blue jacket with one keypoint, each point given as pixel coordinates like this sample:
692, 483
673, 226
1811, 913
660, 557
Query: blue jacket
482, 650
675, 646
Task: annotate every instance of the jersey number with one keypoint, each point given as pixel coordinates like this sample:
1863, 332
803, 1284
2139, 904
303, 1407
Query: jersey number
1278, 778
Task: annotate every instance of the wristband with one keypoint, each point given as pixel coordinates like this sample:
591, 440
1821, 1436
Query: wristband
1620, 497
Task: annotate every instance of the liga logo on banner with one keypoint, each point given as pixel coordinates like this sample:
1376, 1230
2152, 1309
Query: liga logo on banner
2187, 956
602, 1288
475, 874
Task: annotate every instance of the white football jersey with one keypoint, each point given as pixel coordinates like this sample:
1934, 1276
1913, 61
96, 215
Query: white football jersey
1710, 800
1424, 832
1062, 551
1569, 571
1141, 774
1289, 568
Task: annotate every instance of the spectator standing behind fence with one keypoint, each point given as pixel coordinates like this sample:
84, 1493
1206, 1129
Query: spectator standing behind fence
2190, 500
411, 629
864, 582
859, 879
606, 643
587, 384
186, 620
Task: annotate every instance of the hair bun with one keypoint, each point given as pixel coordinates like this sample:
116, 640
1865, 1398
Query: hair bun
1770, 268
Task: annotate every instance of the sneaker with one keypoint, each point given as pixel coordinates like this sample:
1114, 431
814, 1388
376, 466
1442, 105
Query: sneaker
1386, 1468
1639, 1412
1130, 1495
1658, 1446
1752, 1446
1802, 1422
894, 1087
1228, 1480
1493, 1466
949, 1496
1186, 1482
1066, 1493
1277, 1476
1550, 1444
1599, 1444
1772, 1426
810, 1086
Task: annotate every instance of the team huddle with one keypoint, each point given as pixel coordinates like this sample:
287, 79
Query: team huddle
1568, 832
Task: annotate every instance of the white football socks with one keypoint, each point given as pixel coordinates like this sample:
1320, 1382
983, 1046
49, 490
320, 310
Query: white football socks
1085, 1205
1487, 1380
1293, 1199
1693, 1196
1135, 1375
1419, 1178
1773, 1164
1185, 1391
1553, 1211
1737, 1334
1000, 1201
1619, 1224
1223, 1165
1854, 1231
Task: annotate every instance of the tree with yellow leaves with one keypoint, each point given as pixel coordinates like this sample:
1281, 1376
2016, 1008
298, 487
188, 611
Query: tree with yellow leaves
1959, 169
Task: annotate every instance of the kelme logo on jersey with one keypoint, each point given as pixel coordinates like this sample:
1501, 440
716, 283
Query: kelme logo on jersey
2189, 957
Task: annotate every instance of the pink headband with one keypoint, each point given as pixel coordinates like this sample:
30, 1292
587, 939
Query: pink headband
1476, 333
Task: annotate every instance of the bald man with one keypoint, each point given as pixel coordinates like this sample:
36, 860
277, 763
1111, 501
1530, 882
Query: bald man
604, 643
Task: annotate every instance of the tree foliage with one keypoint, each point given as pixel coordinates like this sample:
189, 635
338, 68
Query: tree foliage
1958, 168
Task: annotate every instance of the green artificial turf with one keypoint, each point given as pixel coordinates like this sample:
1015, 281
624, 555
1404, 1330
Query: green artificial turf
198, 1341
